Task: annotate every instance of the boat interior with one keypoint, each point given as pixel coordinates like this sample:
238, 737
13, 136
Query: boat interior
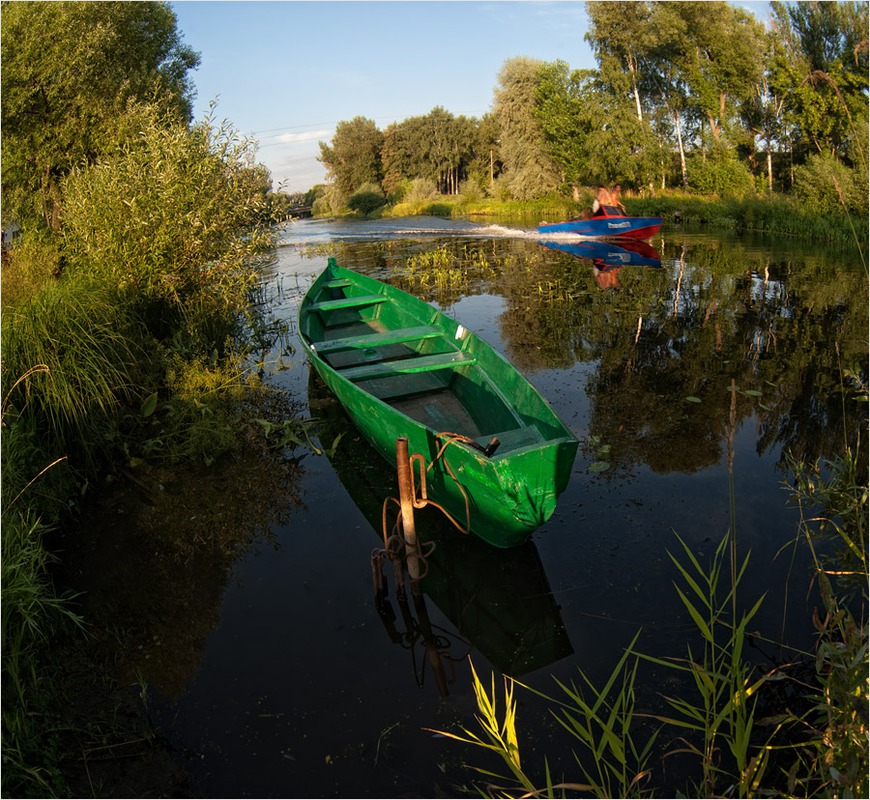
414, 365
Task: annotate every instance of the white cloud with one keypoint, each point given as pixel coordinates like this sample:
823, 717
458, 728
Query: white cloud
304, 136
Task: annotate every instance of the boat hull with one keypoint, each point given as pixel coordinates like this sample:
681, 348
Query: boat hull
509, 493
611, 227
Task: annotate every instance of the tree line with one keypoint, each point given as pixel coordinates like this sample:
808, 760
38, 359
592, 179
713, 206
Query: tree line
693, 95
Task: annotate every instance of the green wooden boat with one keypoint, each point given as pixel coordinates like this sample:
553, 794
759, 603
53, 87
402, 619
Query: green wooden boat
401, 368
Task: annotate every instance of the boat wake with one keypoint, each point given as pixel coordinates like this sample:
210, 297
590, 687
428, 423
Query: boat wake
309, 232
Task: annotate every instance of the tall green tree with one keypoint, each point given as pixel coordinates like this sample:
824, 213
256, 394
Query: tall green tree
69, 70
620, 35
486, 163
668, 87
593, 134
439, 147
721, 59
822, 68
354, 157
529, 169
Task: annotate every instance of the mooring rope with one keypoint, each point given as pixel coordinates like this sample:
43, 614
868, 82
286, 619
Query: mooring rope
394, 535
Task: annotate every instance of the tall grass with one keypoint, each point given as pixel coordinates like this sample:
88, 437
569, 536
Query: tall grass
835, 757
32, 615
94, 358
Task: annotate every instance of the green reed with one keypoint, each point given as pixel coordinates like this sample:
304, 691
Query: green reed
722, 707
833, 758
600, 719
719, 712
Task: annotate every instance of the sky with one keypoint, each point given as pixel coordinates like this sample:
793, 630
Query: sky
287, 71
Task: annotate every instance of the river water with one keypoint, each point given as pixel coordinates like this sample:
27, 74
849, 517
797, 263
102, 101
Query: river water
687, 369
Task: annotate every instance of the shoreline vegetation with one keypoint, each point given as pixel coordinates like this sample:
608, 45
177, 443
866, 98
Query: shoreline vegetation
132, 338
767, 214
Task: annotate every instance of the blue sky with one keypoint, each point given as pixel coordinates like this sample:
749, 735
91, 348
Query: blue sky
288, 71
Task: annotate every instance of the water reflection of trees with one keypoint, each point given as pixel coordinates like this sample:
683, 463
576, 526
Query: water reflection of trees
154, 561
780, 321
782, 330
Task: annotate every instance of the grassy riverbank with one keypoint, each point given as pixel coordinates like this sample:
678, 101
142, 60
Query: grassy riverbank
775, 214
127, 342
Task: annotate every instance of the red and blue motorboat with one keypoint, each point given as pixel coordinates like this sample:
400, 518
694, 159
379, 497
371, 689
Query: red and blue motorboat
608, 222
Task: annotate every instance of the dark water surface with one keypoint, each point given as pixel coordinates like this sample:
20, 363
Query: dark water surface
301, 689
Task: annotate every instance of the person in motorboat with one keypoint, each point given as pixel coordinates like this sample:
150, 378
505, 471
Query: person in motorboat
602, 198
614, 197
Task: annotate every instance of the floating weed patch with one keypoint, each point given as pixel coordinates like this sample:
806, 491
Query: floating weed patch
601, 462
437, 272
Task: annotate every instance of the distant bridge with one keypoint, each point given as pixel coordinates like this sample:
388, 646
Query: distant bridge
300, 211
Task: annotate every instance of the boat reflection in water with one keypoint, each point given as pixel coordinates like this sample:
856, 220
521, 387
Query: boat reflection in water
609, 257
499, 600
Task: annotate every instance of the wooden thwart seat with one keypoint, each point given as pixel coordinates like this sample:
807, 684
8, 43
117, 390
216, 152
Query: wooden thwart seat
408, 366
348, 302
398, 336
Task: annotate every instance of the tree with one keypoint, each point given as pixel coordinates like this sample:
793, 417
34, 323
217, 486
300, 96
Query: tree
822, 70
354, 157
69, 71
620, 35
486, 163
438, 147
569, 111
668, 89
593, 135
529, 170
721, 59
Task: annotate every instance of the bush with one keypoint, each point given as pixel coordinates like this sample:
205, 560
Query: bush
169, 216
368, 198
471, 191
720, 173
824, 185
421, 190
